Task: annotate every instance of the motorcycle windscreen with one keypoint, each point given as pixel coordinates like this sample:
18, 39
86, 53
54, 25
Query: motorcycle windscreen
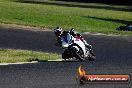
66, 40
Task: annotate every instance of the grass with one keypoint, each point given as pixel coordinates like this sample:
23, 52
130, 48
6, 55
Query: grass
13, 55
84, 17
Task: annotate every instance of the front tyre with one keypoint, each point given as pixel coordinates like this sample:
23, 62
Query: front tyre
66, 55
78, 54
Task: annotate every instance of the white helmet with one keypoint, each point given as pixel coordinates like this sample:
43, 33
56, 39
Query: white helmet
58, 31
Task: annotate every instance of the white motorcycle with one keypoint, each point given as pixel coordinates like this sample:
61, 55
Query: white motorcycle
75, 48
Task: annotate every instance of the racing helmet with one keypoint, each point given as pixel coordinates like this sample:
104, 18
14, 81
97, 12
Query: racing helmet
58, 31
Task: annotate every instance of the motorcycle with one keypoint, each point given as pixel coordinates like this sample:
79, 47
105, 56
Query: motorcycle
75, 48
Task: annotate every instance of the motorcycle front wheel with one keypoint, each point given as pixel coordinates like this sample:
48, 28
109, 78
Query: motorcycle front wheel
78, 54
66, 55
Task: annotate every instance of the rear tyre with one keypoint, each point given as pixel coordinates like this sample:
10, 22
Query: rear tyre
92, 57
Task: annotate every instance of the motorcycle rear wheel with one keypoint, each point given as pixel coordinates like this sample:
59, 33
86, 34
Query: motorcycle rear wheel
92, 57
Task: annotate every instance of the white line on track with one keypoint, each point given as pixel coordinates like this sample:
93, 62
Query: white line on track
18, 63
56, 60
30, 62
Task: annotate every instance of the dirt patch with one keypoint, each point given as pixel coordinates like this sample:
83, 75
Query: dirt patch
25, 27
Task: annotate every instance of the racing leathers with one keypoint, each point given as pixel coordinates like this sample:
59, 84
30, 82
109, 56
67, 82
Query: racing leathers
74, 34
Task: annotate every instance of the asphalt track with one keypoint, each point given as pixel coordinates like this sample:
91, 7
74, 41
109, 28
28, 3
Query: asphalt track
114, 56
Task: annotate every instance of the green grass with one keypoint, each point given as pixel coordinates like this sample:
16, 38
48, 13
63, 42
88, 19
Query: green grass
84, 17
13, 55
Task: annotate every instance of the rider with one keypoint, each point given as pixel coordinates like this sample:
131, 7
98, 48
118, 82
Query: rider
59, 32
